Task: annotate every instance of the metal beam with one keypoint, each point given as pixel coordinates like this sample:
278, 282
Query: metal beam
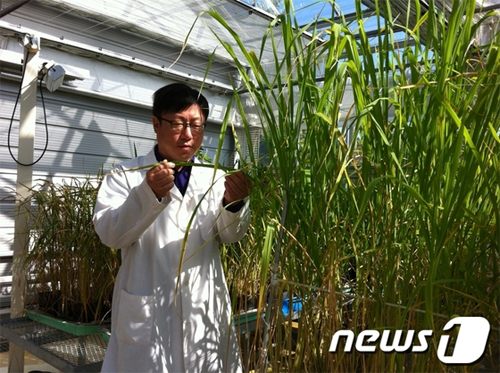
487, 8
348, 18
13, 7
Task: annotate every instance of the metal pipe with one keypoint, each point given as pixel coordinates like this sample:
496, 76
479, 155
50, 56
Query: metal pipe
13, 7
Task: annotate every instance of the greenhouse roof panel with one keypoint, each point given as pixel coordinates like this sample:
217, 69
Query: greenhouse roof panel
315, 12
183, 23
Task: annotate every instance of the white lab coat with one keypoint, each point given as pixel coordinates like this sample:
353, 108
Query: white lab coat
153, 328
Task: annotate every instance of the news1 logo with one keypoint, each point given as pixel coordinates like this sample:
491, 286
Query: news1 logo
470, 343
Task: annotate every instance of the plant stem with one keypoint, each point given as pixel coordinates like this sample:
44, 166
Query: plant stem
272, 288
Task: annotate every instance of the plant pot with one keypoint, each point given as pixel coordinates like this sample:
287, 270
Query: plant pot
74, 328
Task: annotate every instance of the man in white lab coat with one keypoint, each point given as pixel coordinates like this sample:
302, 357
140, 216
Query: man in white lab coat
170, 316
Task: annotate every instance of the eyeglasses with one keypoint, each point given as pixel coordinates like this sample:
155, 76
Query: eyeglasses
178, 127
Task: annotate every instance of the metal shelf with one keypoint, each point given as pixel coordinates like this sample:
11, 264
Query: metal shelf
62, 350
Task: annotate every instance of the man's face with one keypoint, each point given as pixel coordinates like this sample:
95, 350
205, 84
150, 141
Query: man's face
178, 146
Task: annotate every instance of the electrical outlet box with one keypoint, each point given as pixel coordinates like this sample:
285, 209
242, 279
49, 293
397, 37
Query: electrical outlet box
55, 77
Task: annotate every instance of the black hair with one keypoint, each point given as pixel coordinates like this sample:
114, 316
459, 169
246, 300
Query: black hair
177, 97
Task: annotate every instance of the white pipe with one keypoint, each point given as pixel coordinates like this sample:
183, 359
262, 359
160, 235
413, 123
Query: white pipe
23, 185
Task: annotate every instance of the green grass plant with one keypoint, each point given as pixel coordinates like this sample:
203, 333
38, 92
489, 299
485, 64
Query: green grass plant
384, 218
74, 272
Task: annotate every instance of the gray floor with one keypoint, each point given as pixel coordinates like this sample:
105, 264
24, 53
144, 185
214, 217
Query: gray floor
31, 363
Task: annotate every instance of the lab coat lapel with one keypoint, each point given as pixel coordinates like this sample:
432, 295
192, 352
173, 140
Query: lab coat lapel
188, 201
199, 182
193, 181
175, 193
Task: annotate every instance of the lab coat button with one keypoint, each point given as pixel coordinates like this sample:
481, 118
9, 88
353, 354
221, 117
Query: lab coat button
186, 282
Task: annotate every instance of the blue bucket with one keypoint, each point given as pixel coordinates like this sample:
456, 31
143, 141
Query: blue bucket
296, 307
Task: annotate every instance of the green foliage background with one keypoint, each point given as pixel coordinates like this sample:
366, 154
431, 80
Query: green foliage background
74, 271
397, 229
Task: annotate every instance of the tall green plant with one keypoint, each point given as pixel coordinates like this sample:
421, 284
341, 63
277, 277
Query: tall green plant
397, 228
73, 270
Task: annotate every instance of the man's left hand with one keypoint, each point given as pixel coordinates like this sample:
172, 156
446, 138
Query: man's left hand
238, 187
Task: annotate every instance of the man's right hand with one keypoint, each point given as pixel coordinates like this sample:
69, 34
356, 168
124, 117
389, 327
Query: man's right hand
161, 179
